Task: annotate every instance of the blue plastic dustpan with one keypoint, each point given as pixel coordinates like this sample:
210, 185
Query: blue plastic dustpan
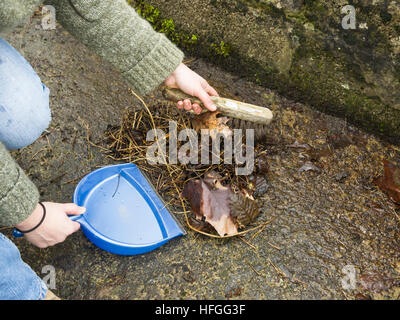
124, 214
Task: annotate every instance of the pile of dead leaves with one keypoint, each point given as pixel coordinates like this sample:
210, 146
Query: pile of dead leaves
218, 206
220, 200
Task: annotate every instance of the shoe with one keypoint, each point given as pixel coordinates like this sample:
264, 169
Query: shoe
51, 296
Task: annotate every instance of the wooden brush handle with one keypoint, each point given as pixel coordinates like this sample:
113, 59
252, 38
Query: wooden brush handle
228, 107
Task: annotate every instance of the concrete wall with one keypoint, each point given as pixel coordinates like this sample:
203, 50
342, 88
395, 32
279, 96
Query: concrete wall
300, 49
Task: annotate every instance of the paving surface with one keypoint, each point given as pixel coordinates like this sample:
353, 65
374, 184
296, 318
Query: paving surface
324, 220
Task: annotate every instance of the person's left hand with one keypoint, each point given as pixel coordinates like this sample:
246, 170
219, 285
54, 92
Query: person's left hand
193, 84
56, 226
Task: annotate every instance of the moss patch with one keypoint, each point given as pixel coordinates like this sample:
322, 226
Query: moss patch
221, 48
166, 26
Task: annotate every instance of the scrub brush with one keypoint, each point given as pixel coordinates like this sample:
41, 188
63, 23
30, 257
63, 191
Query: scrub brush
243, 115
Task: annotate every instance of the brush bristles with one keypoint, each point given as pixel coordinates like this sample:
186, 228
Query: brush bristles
260, 130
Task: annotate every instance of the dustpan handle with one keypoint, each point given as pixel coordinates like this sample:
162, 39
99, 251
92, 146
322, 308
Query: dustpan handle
78, 218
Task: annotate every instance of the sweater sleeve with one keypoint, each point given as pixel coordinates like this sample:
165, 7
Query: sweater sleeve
18, 195
113, 30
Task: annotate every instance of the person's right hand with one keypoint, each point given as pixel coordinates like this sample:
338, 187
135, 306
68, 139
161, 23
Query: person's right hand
55, 228
193, 84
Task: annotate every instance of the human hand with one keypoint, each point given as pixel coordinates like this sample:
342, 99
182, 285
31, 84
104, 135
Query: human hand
56, 226
193, 84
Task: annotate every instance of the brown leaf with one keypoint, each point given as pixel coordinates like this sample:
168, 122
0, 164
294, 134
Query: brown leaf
259, 185
234, 292
360, 296
216, 125
376, 282
262, 164
390, 182
316, 154
200, 224
213, 180
339, 141
212, 203
217, 205
376, 207
243, 208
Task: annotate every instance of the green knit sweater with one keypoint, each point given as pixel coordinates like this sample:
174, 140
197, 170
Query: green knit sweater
113, 30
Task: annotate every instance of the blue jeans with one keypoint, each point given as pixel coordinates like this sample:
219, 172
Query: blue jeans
24, 100
24, 115
17, 279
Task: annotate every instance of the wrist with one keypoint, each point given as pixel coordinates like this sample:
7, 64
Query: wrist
170, 81
32, 220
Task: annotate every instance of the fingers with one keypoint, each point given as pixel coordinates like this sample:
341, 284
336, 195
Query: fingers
72, 208
70, 228
203, 92
196, 108
187, 104
75, 226
210, 90
56, 227
207, 102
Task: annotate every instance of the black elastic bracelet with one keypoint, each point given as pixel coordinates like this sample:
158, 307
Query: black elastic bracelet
41, 221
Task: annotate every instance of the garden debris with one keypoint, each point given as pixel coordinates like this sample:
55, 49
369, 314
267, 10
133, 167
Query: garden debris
258, 182
377, 282
375, 207
297, 145
262, 164
259, 185
200, 225
309, 166
234, 292
128, 142
390, 181
339, 141
210, 201
316, 154
218, 205
211, 121
341, 176
243, 208
313, 154
360, 296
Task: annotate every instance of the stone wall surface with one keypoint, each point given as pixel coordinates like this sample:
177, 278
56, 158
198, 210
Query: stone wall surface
300, 49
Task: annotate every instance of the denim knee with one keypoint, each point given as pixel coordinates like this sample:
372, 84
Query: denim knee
24, 100
17, 279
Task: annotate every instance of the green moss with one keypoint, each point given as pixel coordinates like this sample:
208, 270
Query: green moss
323, 90
267, 8
316, 13
298, 17
312, 12
221, 49
166, 26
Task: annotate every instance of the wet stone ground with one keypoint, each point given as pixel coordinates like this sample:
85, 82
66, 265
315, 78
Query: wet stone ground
326, 219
